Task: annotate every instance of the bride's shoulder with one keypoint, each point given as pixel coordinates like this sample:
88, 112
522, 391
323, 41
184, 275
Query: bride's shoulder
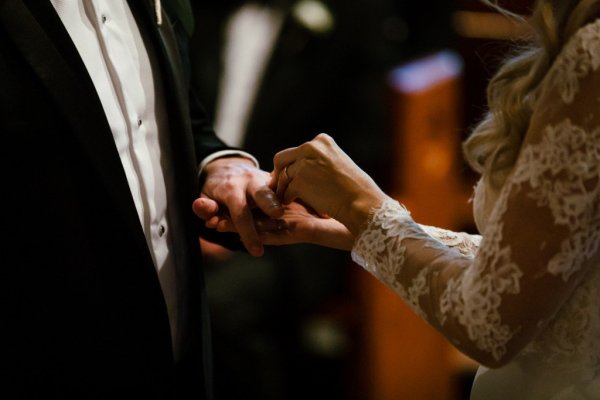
585, 42
579, 57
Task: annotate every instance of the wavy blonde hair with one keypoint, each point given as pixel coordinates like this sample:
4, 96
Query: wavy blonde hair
494, 145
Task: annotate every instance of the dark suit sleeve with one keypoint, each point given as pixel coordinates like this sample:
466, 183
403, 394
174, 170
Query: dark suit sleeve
205, 140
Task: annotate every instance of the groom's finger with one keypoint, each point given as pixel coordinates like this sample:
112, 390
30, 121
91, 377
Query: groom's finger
266, 200
225, 225
205, 208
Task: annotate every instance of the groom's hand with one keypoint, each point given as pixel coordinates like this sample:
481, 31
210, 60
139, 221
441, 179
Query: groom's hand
234, 188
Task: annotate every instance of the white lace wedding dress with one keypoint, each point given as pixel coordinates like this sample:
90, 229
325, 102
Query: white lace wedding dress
525, 299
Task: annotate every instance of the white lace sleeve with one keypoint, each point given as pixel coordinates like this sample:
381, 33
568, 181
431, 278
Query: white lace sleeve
541, 239
465, 243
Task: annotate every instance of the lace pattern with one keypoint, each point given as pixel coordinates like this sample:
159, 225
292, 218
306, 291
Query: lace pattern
464, 243
573, 153
478, 291
579, 58
573, 336
379, 253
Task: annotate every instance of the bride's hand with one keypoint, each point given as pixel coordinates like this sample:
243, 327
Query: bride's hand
298, 224
301, 225
321, 175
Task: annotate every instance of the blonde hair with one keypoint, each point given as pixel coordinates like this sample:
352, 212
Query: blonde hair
494, 145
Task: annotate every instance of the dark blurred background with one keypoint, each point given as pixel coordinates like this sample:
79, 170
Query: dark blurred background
303, 321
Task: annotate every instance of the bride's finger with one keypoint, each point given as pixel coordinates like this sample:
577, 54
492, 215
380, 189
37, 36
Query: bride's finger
277, 238
284, 158
290, 194
283, 183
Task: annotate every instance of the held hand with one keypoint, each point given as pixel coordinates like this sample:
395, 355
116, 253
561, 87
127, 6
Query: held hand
232, 189
321, 175
299, 225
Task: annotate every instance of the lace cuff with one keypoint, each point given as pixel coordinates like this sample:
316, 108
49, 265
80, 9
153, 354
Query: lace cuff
386, 221
392, 219
381, 250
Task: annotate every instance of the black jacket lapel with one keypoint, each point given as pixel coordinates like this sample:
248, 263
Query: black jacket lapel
39, 34
194, 315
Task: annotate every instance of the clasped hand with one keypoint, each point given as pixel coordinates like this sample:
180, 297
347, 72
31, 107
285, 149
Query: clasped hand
323, 198
233, 190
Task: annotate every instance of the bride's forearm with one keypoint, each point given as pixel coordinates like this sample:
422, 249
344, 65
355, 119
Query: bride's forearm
332, 234
299, 225
356, 213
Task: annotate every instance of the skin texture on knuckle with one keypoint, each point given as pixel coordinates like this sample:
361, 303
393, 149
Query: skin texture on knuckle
228, 185
248, 174
279, 160
306, 149
318, 145
323, 137
232, 195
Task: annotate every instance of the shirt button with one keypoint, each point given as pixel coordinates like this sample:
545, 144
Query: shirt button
139, 122
161, 230
103, 18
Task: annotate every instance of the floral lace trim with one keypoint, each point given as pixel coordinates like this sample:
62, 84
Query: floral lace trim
474, 299
464, 243
575, 332
378, 250
580, 56
561, 173
571, 152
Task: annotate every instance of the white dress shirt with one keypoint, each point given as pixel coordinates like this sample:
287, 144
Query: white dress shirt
111, 46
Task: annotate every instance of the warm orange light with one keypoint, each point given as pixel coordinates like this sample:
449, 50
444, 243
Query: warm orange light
487, 25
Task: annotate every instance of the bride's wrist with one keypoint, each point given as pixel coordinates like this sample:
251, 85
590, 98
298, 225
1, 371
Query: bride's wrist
334, 235
361, 210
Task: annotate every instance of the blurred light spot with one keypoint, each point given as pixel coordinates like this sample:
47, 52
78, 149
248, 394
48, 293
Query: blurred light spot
314, 15
325, 337
422, 73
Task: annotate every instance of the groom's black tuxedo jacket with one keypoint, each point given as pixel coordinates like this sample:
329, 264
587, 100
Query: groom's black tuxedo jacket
82, 312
